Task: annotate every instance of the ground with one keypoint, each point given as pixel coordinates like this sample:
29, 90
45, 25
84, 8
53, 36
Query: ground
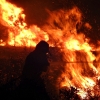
12, 62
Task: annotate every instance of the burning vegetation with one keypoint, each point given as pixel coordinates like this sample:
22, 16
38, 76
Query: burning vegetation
74, 73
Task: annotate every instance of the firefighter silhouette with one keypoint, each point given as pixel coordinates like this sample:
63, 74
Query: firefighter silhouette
32, 85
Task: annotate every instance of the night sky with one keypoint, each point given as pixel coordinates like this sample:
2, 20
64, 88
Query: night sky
35, 11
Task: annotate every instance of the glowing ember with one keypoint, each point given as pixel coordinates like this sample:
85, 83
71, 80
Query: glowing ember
2, 43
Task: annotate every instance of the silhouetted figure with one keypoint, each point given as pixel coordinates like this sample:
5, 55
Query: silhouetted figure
32, 85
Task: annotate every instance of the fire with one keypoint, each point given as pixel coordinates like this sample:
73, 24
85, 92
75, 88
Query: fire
79, 69
19, 34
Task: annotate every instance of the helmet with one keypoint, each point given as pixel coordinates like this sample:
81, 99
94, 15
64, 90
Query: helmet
42, 46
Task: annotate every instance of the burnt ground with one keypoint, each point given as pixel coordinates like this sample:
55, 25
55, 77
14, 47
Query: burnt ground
11, 66
11, 62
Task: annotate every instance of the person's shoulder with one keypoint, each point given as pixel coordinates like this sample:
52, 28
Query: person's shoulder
30, 55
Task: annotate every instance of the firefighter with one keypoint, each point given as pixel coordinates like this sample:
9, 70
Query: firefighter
32, 85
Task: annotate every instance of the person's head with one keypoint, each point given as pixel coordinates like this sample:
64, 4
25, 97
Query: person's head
42, 46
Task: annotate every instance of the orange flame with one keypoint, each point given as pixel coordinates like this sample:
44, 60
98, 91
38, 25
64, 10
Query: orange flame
79, 69
19, 34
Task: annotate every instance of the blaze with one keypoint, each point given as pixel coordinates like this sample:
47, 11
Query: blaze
80, 71
19, 34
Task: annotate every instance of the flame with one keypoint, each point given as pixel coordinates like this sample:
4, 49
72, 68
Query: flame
61, 31
78, 70
18, 32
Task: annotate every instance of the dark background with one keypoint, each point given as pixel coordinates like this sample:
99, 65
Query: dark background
35, 9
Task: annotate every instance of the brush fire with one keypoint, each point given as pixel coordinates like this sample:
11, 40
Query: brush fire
74, 73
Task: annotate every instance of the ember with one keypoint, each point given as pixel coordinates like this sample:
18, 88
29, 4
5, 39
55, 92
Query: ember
74, 72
